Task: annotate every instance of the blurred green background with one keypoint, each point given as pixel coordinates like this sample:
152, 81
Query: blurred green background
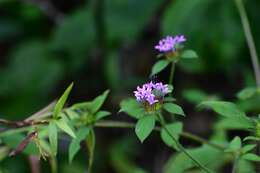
100, 44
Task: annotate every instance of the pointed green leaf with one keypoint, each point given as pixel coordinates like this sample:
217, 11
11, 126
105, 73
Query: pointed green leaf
98, 102
234, 145
248, 148
144, 127
235, 123
60, 104
132, 108
75, 143
251, 157
72, 114
53, 137
226, 109
175, 129
91, 143
189, 54
101, 114
62, 124
246, 93
251, 138
173, 108
159, 66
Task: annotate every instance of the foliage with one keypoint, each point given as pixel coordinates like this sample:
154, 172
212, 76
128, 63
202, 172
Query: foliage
102, 44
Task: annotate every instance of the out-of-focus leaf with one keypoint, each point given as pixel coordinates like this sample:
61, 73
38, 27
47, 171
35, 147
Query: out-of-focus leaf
226, 109
124, 23
251, 157
175, 129
246, 93
248, 148
3, 152
196, 96
180, 163
173, 108
245, 166
122, 156
60, 103
75, 143
31, 68
189, 54
234, 123
53, 137
144, 127
75, 36
112, 70
132, 108
251, 138
159, 66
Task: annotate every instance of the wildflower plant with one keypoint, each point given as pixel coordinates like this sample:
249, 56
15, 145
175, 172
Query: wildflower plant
154, 109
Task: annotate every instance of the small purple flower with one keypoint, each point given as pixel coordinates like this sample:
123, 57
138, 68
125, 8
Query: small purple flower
163, 89
151, 92
169, 43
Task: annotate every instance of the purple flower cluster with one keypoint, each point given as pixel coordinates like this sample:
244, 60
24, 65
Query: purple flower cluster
169, 43
151, 92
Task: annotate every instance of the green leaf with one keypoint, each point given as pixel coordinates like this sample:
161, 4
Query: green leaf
91, 142
251, 157
180, 163
189, 54
62, 124
226, 109
132, 108
59, 105
175, 129
75, 143
53, 137
144, 127
72, 114
234, 145
246, 93
173, 108
4, 151
248, 148
98, 102
159, 66
235, 123
251, 138
101, 114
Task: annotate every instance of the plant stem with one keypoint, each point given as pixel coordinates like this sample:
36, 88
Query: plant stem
234, 168
172, 73
202, 167
118, 124
53, 164
249, 39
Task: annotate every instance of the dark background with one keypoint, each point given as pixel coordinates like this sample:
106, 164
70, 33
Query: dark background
100, 44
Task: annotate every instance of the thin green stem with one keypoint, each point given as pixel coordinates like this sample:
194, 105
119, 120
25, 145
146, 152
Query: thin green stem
202, 167
234, 168
172, 73
118, 124
53, 164
249, 39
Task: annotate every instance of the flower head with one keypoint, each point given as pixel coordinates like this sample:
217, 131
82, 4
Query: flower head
151, 92
169, 43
